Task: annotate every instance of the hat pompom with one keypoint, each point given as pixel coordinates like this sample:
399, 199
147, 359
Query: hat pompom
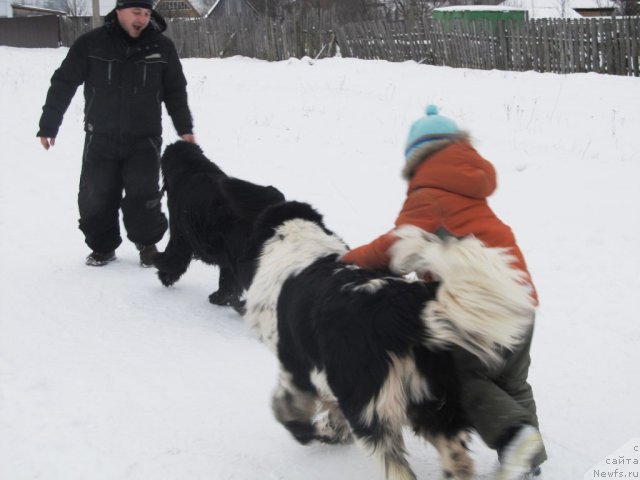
432, 109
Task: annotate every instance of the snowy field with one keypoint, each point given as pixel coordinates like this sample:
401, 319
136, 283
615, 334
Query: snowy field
107, 375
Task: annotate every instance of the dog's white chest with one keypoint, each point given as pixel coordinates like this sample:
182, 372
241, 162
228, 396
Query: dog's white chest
263, 320
295, 245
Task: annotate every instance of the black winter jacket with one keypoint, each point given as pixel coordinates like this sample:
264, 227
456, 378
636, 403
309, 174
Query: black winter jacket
125, 82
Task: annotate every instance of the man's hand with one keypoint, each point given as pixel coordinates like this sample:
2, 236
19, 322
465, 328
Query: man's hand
47, 142
188, 137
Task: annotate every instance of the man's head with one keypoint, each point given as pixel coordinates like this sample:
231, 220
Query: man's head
134, 15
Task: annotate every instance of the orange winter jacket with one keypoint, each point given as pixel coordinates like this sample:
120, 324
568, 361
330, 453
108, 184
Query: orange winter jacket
447, 191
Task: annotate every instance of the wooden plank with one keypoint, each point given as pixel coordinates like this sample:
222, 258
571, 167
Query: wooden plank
625, 46
584, 45
615, 48
634, 34
607, 47
530, 46
571, 45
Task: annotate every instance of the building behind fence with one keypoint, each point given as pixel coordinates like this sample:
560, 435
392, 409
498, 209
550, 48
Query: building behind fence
33, 32
603, 45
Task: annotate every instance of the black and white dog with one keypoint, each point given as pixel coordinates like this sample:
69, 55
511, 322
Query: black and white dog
204, 221
361, 354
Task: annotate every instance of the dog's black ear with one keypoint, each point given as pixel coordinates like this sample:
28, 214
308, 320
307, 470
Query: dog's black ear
246, 198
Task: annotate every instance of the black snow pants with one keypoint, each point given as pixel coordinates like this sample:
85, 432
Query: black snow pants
113, 165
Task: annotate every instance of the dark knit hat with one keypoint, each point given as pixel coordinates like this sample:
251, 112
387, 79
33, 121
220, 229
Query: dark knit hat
134, 3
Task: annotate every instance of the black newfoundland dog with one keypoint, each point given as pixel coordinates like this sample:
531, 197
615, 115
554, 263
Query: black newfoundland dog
361, 354
205, 222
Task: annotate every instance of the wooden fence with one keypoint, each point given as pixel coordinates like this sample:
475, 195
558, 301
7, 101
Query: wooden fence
603, 45
72, 27
255, 36
600, 45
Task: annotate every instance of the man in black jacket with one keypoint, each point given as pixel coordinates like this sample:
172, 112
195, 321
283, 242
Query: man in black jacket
128, 68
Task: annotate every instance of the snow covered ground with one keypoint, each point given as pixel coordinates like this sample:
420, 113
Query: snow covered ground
107, 375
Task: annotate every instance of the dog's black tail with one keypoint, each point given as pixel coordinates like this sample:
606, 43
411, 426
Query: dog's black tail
483, 302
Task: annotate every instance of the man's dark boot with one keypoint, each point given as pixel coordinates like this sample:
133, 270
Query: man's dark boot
99, 259
147, 254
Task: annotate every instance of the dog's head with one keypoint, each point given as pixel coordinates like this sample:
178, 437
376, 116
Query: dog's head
182, 158
267, 225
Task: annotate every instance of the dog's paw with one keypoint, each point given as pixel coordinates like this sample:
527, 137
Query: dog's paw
225, 299
332, 429
303, 432
240, 307
456, 462
167, 278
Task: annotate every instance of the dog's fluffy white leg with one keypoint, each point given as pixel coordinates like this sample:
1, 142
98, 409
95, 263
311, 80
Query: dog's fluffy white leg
456, 463
483, 302
389, 452
330, 422
386, 413
295, 409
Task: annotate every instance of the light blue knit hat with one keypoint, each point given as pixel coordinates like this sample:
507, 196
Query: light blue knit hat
428, 129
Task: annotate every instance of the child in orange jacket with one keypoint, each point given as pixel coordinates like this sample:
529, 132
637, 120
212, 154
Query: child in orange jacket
449, 183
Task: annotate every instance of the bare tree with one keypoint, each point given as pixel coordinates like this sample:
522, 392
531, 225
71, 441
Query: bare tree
268, 7
354, 9
628, 7
346, 9
417, 8
77, 8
